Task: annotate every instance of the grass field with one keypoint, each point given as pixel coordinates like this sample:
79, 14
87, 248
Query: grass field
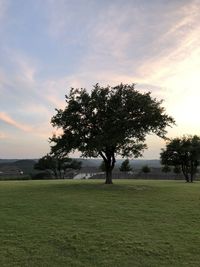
87, 223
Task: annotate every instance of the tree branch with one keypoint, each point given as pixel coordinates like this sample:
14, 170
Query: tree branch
103, 156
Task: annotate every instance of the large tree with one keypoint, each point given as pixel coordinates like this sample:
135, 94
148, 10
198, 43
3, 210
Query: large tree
183, 153
108, 121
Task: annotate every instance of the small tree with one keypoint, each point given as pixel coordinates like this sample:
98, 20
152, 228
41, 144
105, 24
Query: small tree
185, 153
146, 169
108, 121
166, 168
57, 165
125, 166
47, 163
177, 169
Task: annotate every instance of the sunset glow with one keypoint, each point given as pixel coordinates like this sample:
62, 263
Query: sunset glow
49, 46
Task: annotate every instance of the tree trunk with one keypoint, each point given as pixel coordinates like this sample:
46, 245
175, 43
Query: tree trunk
108, 177
55, 174
192, 171
192, 175
187, 178
109, 160
185, 173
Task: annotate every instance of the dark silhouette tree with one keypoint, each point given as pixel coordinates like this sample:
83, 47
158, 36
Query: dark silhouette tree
183, 153
125, 166
108, 121
47, 163
146, 169
166, 168
57, 165
177, 169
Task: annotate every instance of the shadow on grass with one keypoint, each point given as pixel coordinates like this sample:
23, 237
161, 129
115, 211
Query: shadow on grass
94, 186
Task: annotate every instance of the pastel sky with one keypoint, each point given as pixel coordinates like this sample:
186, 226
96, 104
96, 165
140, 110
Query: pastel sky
48, 46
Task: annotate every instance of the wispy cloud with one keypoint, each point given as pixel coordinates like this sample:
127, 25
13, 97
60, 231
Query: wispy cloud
152, 43
171, 59
37, 130
132, 42
7, 119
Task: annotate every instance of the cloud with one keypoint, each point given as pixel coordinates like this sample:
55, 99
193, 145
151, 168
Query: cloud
20, 85
65, 15
152, 43
128, 43
42, 130
7, 119
168, 59
183, 36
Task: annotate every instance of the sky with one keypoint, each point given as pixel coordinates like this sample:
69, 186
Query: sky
49, 46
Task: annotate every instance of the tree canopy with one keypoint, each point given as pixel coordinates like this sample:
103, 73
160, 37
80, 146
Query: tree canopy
183, 153
108, 121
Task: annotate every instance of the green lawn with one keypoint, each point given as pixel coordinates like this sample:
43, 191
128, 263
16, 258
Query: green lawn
87, 223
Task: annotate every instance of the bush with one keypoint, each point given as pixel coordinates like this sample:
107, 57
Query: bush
146, 169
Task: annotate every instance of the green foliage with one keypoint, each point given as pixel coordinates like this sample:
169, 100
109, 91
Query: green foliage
166, 168
184, 152
85, 223
125, 166
146, 169
108, 121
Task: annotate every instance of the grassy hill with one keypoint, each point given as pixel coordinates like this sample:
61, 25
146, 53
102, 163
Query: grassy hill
87, 223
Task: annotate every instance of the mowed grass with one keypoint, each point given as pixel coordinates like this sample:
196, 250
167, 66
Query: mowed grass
87, 223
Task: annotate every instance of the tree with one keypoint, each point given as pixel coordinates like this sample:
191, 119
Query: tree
183, 153
146, 169
57, 164
125, 166
166, 168
108, 121
177, 169
102, 166
46, 163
